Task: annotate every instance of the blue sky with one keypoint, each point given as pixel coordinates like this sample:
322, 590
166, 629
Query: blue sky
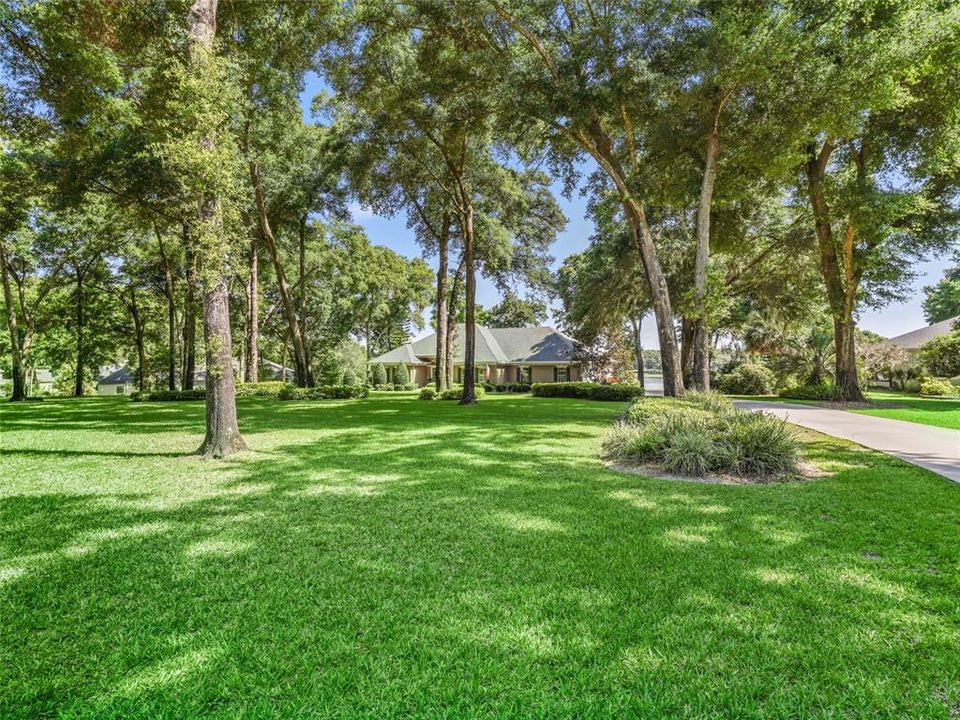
889, 321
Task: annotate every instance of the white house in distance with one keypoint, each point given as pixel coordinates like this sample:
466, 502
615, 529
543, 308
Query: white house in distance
503, 356
115, 381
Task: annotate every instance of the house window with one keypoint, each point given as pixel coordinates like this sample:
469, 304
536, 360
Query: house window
562, 373
119, 389
523, 374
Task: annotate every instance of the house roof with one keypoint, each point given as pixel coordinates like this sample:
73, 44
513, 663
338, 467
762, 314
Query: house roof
118, 376
915, 338
493, 346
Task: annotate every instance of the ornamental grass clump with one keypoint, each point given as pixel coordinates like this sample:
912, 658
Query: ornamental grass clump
700, 434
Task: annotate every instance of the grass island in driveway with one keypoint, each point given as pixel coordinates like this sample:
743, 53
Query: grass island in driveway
390, 557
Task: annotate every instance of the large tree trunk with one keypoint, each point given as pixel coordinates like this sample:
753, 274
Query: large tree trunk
253, 318
302, 283
138, 333
598, 143
19, 371
638, 347
169, 292
222, 434
687, 328
452, 304
700, 372
79, 319
442, 316
300, 357
189, 313
839, 277
469, 396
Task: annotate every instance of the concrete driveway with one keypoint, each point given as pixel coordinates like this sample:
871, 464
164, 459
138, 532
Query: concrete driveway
933, 448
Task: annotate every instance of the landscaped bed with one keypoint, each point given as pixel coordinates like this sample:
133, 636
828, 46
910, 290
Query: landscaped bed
388, 557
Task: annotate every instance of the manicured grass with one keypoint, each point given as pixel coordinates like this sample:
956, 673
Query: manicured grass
943, 412
392, 557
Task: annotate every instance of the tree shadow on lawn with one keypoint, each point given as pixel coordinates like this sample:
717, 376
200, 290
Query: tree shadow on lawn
473, 570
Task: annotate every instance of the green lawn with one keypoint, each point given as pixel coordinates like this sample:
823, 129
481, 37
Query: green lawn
397, 558
913, 408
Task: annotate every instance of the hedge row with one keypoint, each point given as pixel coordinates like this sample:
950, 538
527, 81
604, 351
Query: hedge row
167, 395
588, 391
454, 393
396, 387
324, 392
270, 388
508, 388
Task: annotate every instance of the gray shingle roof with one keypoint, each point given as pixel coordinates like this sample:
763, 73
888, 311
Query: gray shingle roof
915, 338
493, 346
120, 376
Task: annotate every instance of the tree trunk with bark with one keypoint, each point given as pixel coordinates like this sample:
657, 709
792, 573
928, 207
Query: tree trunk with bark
452, 304
443, 320
222, 434
79, 320
169, 293
138, 333
469, 396
252, 373
638, 347
16, 349
839, 276
189, 313
300, 357
700, 371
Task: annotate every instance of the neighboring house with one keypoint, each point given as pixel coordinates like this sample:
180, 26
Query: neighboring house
268, 371
43, 377
116, 381
912, 340
503, 356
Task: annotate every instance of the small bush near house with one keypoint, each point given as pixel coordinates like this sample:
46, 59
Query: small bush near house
271, 388
383, 387
428, 393
397, 387
941, 356
489, 387
401, 376
703, 434
937, 388
587, 391
379, 375
349, 378
324, 392
456, 392
168, 395
748, 379
810, 392
410, 386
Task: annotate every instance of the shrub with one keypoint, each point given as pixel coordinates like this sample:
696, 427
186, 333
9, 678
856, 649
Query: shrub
759, 444
501, 388
428, 393
271, 388
587, 391
379, 376
383, 387
349, 378
937, 388
941, 356
688, 451
456, 393
324, 392
703, 434
489, 387
168, 395
748, 379
810, 392
410, 386
712, 401
397, 387
401, 376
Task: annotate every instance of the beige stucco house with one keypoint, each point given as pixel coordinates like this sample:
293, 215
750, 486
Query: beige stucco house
503, 356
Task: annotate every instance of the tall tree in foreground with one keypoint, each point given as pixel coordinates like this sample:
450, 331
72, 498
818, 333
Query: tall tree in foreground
881, 98
202, 75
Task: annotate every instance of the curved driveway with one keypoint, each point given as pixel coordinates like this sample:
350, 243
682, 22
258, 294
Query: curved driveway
933, 448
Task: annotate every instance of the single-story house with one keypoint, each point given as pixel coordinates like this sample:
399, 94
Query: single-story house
912, 340
115, 381
43, 377
268, 371
502, 356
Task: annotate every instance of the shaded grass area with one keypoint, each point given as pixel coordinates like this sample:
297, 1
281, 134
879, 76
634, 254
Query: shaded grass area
390, 557
939, 412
